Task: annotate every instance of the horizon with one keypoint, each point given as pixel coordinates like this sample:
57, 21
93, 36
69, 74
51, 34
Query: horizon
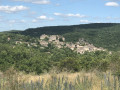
24, 14
56, 26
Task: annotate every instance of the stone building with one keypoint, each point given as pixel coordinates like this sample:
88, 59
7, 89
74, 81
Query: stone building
52, 38
44, 43
59, 41
8, 38
43, 36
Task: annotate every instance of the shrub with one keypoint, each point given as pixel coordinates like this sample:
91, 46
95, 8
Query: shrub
70, 64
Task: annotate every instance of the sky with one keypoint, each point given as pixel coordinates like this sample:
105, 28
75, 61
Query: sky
23, 14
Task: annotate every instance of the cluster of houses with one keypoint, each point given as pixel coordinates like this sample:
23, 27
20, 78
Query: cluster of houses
59, 41
27, 43
54, 39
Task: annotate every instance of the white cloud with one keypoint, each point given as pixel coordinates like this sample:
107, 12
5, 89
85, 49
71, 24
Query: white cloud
36, 1
84, 21
113, 4
42, 17
58, 14
113, 0
41, 2
98, 22
112, 18
75, 15
69, 15
12, 9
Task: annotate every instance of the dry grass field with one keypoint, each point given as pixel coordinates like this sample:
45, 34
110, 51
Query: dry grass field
13, 80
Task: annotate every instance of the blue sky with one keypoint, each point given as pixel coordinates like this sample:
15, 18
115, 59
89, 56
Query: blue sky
23, 14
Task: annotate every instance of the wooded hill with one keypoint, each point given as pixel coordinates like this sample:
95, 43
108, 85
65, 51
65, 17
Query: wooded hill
26, 57
106, 35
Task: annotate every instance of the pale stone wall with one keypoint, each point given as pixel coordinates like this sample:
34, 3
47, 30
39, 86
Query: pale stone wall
43, 36
44, 43
52, 38
8, 38
18, 42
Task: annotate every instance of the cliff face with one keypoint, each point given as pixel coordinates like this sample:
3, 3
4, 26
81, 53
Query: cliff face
59, 41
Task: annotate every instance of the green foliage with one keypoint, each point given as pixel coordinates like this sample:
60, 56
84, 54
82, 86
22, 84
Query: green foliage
46, 39
70, 64
39, 60
95, 60
60, 39
115, 63
106, 35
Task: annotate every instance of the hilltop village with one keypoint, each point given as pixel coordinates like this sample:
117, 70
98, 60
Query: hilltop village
59, 41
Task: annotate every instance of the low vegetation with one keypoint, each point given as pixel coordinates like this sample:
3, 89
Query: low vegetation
39, 60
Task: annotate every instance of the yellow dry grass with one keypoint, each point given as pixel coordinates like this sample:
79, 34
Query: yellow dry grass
71, 78
95, 76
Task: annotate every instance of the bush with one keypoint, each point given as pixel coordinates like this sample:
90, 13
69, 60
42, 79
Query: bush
69, 64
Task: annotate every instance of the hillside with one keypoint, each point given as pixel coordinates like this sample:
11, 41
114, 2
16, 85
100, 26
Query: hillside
66, 48
106, 35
